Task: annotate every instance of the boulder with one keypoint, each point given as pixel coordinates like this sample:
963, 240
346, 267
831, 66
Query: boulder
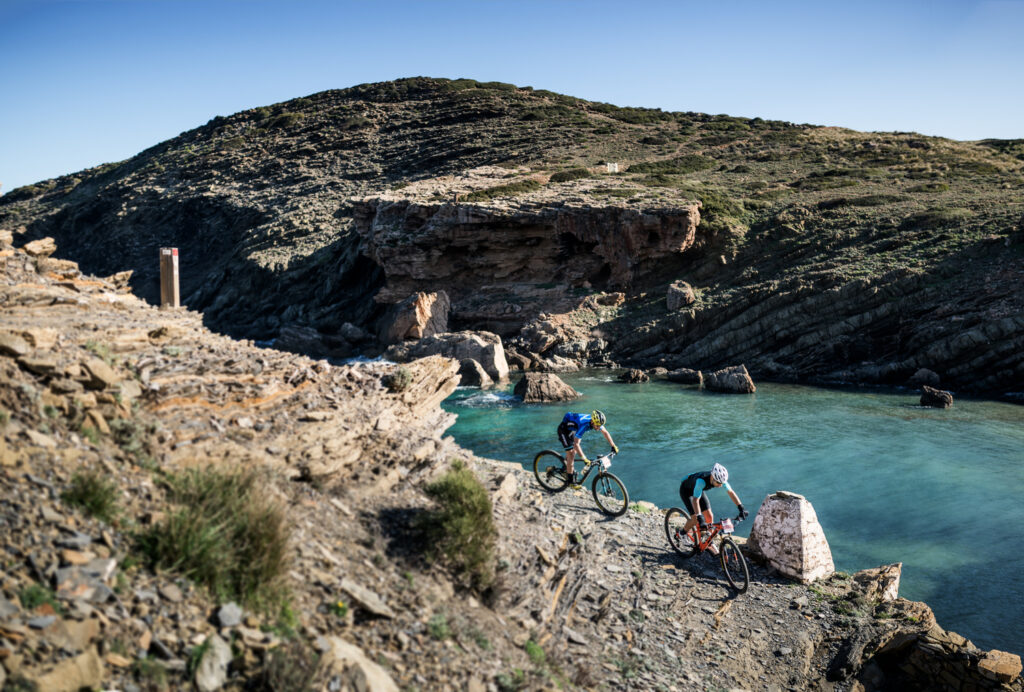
733, 380
880, 583
1001, 666
634, 376
12, 344
71, 674
419, 315
936, 398
787, 535
100, 375
924, 376
680, 294
472, 374
212, 671
44, 247
686, 376
483, 347
544, 386
517, 361
353, 668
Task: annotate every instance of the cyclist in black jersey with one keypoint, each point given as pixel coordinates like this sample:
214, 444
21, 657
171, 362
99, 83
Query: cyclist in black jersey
692, 491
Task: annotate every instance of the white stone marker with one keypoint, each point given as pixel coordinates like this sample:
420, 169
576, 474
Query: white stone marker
786, 533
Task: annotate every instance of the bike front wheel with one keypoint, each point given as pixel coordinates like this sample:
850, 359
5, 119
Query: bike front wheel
683, 543
549, 468
735, 565
610, 494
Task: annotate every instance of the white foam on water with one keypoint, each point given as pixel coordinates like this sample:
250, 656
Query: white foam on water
489, 400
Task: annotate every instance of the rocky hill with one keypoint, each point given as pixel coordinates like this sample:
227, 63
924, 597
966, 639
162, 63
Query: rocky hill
819, 254
179, 508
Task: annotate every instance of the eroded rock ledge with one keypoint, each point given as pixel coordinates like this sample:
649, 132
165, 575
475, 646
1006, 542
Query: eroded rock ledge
502, 265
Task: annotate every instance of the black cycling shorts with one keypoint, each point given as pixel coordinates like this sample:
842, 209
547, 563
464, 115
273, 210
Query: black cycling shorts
688, 505
567, 433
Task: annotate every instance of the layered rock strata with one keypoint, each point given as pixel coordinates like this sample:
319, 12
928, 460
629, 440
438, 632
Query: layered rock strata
501, 265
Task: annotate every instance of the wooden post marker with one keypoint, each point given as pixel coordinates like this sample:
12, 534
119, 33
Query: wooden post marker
169, 294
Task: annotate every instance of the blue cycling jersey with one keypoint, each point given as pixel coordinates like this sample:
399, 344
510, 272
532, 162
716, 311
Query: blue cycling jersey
582, 421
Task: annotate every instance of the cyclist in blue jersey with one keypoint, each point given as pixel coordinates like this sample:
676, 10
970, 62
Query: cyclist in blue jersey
693, 491
572, 429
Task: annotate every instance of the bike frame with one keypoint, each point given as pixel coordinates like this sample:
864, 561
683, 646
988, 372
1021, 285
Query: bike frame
603, 463
713, 530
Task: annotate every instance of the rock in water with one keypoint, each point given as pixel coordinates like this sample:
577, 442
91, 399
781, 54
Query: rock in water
686, 376
544, 386
483, 347
936, 398
733, 380
634, 376
473, 374
787, 534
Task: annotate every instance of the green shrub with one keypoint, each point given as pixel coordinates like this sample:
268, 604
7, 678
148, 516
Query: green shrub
866, 201
509, 190
438, 627
513, 681
535, 653
398, 380
291, 666
283, 120
461, 528
94, 493
570, 174
937, 217
689, 163
233, 143
90, 433
355, 122
35, 595
150, 671
225, 534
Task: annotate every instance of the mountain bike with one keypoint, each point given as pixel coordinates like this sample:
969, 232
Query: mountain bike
609, 492
697, 541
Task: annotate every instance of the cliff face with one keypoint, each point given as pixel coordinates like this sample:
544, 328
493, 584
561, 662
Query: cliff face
502, 267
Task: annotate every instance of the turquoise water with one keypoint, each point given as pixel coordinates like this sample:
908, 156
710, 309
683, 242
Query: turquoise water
938, 490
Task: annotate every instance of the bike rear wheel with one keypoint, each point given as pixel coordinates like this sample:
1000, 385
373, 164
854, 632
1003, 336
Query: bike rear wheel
735, 565
549, 468
683, 543
610, 494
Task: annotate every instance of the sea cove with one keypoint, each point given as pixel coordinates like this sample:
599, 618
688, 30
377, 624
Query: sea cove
938, 490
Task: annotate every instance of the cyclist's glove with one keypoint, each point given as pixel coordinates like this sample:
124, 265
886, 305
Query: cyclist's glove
615, 449
743, 512
701, 523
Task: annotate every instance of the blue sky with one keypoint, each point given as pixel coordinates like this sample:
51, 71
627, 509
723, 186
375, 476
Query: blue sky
86, 82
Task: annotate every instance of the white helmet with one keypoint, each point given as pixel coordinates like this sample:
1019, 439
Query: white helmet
719, 473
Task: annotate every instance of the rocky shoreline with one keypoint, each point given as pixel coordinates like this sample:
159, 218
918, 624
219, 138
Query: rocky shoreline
95, 379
